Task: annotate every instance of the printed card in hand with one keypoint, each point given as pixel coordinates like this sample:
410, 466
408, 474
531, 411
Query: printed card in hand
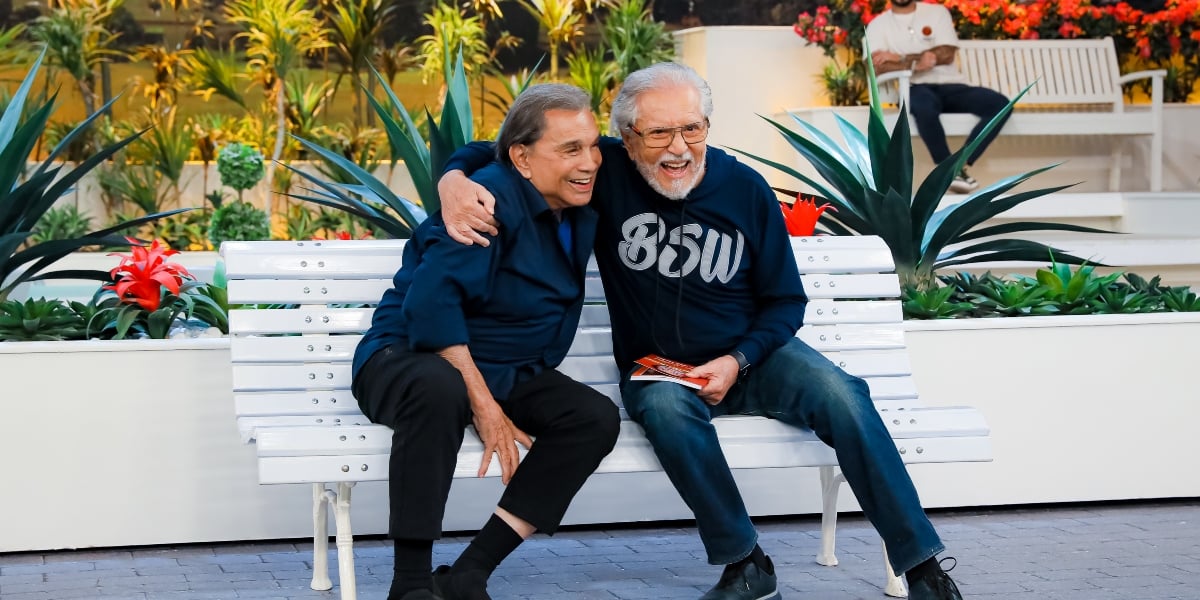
653, 367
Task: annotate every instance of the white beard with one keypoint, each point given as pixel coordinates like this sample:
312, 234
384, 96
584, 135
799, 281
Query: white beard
679, 188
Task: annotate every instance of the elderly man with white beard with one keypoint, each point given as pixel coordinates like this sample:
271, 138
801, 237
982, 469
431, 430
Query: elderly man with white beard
697, 268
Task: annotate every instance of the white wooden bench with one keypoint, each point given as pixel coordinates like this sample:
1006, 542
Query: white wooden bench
1077, 92
291, 376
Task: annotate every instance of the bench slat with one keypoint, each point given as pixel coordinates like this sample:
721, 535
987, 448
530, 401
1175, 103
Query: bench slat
298, 320
368, 291
265, 404
596, 371
828, 312
322, 469
825, 338
305, 348
264, 259
312, 320
352, 439
307, 291
961, 440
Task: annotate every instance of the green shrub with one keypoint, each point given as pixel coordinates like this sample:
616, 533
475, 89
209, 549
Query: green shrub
238, 221
61, 223
1055, 290
240, 167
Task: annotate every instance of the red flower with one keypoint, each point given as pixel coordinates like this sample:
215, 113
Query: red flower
143, 273
801, 217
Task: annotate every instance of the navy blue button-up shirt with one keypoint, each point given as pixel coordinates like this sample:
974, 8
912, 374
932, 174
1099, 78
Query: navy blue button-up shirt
515, 303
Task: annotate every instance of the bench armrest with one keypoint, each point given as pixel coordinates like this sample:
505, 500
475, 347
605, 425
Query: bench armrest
901, 78
1157, 73
1156, 85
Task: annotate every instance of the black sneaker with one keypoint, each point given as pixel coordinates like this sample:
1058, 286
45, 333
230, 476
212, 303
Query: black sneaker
935, 586
468, 585
963, 183
420, 595
745, 581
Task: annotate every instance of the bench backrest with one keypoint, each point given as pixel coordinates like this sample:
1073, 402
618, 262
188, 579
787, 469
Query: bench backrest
291, 359
1066, 72
1080, 71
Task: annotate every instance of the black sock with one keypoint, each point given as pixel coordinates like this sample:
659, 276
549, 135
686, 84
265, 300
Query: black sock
412, 569
491, 545
929, 567
759, 558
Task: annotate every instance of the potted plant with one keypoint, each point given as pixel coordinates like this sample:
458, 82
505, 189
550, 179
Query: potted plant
241, 168
25, 198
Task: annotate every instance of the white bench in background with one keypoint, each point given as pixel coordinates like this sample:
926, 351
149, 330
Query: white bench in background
1078, 92
291, 377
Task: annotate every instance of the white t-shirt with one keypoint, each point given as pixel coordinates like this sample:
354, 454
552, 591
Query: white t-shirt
928, 26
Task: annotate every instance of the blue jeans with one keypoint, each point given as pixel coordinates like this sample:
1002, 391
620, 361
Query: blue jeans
800, 387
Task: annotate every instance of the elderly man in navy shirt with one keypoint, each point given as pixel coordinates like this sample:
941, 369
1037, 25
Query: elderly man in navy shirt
472, 334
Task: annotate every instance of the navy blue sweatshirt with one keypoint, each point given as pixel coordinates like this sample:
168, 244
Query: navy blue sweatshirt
516, 303
740, 288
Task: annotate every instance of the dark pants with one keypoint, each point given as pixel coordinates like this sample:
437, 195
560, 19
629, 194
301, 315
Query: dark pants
423, 399
927, 102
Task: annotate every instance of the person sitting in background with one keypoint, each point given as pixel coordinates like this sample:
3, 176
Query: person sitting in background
920, 37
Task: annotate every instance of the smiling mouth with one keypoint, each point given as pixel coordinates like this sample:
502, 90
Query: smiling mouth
585, 184
674, 168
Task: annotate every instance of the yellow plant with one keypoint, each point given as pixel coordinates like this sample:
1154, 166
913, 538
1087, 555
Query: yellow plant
278, 34
77, 40
452, 29
561, 22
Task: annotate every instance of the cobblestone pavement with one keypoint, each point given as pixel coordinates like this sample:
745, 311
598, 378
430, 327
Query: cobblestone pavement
1085, 552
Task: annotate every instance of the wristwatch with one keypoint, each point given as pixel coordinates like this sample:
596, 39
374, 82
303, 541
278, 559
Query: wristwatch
743, 364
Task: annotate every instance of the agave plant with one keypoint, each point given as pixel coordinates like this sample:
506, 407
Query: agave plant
39, 320
870, 184
23, 201
370, 198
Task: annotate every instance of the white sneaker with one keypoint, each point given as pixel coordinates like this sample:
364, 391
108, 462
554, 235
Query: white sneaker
964, 183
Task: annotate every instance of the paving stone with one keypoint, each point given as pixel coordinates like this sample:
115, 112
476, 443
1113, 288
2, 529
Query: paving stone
1144, 551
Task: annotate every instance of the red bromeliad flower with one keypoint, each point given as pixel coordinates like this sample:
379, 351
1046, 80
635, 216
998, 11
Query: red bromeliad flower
801, 217
144, 272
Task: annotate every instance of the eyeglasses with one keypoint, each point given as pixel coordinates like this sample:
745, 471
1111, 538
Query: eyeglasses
661, 137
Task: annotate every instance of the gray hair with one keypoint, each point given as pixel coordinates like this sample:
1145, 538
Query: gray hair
624, 108
526, 119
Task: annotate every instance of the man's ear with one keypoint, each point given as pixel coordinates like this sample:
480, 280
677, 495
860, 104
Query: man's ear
627, 140
519, 155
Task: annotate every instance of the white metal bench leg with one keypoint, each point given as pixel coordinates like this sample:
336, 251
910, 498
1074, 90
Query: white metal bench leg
895, 584
345, 541
1114, 166
1156, 162
320, 579
830, 483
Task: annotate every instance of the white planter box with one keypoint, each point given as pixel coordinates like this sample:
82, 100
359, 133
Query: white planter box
134, 442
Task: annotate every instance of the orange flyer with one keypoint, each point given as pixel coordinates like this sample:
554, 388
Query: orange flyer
656, 368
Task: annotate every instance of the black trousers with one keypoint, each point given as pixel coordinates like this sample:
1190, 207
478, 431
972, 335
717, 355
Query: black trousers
928, 101
423, 399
